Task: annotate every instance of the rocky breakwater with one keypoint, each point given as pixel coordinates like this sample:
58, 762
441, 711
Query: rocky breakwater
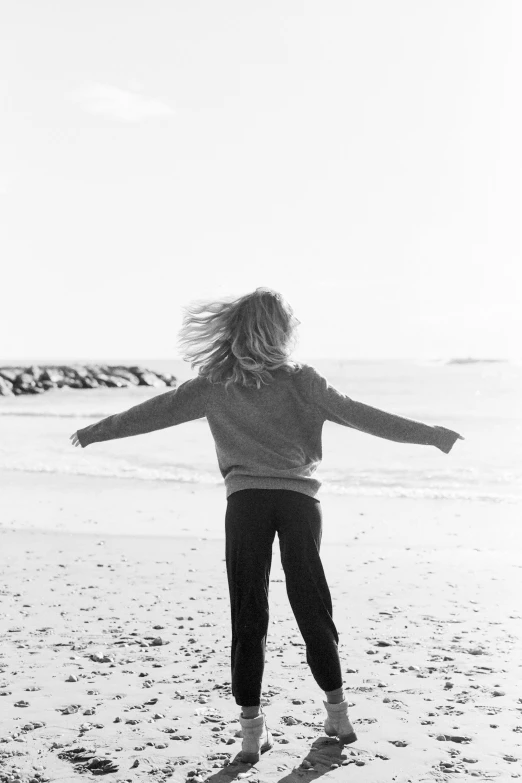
37, 379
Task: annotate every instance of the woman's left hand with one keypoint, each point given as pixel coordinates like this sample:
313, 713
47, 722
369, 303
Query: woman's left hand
75, 439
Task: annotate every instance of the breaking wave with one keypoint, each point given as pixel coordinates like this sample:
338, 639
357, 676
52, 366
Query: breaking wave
189, 476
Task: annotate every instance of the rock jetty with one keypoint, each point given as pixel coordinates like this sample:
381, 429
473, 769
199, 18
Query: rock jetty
37, 379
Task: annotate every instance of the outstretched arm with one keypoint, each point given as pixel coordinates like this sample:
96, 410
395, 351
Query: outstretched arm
392, 427
186, 403
154, 414
339, 408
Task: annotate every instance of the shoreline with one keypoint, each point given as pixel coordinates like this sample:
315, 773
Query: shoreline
131, 507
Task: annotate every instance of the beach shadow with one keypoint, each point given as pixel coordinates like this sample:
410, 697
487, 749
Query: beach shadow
323, 752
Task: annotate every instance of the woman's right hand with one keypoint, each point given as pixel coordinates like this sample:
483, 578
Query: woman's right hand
447, 439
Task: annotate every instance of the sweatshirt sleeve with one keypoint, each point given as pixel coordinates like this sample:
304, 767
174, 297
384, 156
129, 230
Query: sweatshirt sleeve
185, 403
339, 408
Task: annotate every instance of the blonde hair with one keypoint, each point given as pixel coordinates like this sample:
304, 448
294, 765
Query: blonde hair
239, 340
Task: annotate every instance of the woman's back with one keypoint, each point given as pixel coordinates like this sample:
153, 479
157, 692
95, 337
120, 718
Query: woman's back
268, 438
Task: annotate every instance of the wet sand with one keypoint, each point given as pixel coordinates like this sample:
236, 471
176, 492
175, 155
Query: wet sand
115, 626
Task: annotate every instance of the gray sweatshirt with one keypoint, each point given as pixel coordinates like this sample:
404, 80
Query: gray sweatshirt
267, 438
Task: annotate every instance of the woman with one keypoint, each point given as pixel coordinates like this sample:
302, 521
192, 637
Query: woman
266, 415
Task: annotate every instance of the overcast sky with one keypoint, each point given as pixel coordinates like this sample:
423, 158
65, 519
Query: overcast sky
363, 157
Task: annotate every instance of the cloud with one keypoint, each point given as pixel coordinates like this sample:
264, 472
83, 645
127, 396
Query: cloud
125, 105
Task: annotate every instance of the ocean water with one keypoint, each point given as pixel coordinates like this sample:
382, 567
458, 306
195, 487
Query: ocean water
482, 401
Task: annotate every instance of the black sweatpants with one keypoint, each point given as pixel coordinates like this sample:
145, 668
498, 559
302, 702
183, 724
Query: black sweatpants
252, 518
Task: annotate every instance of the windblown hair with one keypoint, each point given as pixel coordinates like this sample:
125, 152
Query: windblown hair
239, 340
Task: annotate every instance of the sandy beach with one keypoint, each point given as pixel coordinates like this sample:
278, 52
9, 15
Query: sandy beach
118, 643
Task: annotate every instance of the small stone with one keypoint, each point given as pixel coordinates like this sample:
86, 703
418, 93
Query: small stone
499, 693
97, 658
72, 678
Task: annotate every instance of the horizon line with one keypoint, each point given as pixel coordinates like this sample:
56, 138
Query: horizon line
17, 361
